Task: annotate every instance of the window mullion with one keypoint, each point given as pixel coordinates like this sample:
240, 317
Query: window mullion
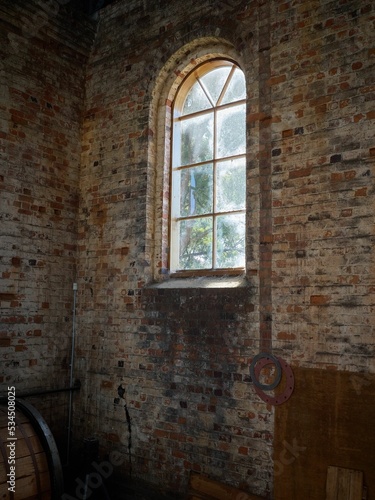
226, 84
214, 239
209, 110
206, 92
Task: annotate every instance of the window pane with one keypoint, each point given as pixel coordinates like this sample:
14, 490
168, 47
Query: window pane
231, 131
197, 139
196, 190
214, 82
196, 244
196, 100
236, 89
230, 241
231, 185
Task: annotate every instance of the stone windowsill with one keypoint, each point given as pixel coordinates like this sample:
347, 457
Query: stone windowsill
203, 282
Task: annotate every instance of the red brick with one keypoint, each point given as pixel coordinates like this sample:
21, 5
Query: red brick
302, 172
287, 133
361, 192
276, 79
319, 300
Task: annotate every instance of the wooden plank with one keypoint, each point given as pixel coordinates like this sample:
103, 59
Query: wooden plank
314, 430
26, 487
22, 448
210, 487
26, 429
331, 486
26, 474
356, 485
344, 484
25, 466
202, 487
21, 418
199, 496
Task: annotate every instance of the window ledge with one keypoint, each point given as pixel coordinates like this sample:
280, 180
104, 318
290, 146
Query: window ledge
203, 282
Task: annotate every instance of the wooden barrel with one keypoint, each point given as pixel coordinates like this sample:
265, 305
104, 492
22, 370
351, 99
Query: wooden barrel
29, 458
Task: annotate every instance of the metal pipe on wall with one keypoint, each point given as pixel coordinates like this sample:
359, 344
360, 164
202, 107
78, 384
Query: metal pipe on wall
75, 288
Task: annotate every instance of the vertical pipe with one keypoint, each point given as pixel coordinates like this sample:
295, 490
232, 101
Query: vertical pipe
75, 288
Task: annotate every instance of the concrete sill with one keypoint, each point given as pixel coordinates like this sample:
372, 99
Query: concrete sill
203, 282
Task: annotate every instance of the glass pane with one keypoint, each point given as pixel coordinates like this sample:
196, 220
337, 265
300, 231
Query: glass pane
197, 139
231, 185
230, 241
236, 89
231, 131
214, 82
196, 190
196, 100
196, 244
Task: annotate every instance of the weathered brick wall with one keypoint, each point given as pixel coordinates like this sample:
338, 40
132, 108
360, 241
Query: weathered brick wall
195, 346
42, 90
323, 188
182, 355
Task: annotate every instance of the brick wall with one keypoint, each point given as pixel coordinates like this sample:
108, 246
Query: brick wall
182, 355
178, 357
42, 90
322, 160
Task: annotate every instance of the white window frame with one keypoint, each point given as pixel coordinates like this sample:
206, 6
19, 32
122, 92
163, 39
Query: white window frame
178, 103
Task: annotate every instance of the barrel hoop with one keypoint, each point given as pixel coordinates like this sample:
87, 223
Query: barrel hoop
32, 455
4, 453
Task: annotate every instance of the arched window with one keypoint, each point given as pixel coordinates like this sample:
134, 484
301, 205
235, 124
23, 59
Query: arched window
208, 173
